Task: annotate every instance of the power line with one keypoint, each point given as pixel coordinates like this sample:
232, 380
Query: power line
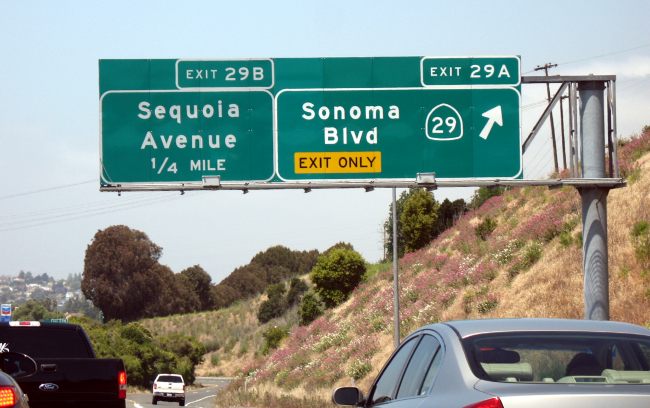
81, 207
609, 54
60, 187
75, 216
597, 56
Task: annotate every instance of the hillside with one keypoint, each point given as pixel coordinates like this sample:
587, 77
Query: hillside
518, 255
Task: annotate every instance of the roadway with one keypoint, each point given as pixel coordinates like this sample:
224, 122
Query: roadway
203, 397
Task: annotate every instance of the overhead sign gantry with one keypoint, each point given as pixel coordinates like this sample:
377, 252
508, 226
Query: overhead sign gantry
285, 122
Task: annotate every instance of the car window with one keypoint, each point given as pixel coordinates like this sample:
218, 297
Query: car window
60, 342
411, 384
431, 372
387, 383
562, 357
170, 378
645, 356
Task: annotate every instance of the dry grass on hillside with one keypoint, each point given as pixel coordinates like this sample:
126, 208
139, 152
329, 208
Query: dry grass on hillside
232, 336
530, 265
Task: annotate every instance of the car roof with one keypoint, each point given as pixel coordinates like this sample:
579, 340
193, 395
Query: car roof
468, 328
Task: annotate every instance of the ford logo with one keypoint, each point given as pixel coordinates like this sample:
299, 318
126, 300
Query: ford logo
48, 387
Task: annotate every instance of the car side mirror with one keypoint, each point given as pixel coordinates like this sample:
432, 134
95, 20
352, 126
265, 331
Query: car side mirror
17, 365
348, 396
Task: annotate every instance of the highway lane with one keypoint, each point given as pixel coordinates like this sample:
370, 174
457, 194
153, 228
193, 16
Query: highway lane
203, 397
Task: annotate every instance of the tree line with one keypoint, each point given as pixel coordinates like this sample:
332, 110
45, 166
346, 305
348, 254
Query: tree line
420, 218
125, 280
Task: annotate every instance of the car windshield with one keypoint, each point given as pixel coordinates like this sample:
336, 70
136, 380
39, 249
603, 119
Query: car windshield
170, 378
560, 358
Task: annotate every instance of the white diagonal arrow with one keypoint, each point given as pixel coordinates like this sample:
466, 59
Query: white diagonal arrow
494, 116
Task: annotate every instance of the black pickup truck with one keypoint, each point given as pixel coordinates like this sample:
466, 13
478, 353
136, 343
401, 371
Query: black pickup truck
67, 373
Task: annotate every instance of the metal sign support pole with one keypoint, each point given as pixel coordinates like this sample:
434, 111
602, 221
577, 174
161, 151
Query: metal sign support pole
594, 201
395, 275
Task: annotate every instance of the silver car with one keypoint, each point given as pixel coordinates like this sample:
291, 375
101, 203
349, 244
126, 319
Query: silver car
514, 363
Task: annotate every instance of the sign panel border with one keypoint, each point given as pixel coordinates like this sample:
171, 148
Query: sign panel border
102, 180
477, 86
276, 145
219, 88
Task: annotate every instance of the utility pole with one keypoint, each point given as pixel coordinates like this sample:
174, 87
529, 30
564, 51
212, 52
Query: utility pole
545, 68
562, 128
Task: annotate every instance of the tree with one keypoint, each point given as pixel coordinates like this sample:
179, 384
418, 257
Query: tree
120, 272
224, 295
200, 282
296, 288
174, 294
418, 219
293, 263
247, 280
336, 274
37, 310
275, 305
81, 305
339, 245
417, 214
448, 213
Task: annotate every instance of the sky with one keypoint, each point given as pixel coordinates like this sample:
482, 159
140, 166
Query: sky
50, 203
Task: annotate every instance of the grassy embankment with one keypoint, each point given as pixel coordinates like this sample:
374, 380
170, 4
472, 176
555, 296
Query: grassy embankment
519, 255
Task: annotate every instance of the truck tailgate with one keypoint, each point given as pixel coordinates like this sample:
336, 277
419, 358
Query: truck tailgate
87, 382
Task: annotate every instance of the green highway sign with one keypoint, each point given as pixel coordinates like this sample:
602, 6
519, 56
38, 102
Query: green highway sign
470, 71
186, 121
183, 136
251, 73
365, 134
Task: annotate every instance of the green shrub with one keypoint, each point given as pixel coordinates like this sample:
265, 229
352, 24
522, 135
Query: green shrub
566, 239
641, 241
336, 274
143, 356
358, 369
272, 338
485, 228
531, 255
488, 305
310, 308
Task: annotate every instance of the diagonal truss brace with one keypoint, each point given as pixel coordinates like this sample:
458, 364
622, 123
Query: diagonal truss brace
545, 114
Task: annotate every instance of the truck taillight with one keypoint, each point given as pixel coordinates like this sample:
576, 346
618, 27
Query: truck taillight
488, 403
7, 397
121, 382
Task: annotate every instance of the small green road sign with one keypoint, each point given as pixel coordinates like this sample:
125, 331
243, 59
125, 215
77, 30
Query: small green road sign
184, 136
470, 71
365, 134
250, 73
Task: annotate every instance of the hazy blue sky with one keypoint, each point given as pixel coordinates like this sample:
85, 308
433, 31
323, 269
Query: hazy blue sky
50, 204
